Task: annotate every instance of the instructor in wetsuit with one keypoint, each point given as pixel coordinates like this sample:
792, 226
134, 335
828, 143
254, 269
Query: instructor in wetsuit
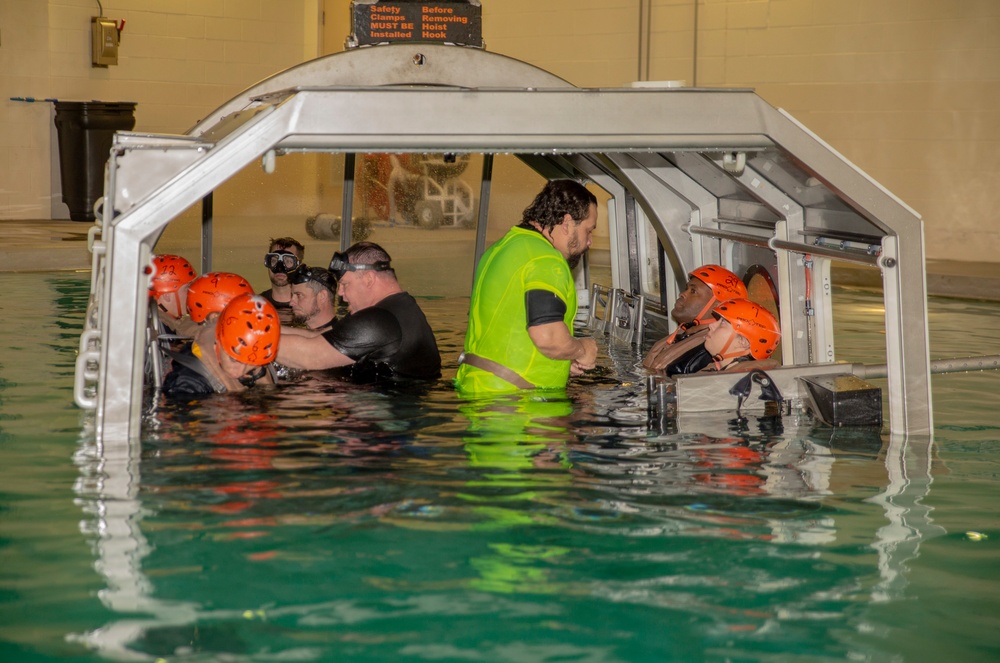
520, 333
283, 259
384, 336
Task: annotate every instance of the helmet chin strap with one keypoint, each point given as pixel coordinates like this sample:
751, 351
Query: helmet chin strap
702, 317
722, 355
181, 309
177, 306
682, 328
706, 312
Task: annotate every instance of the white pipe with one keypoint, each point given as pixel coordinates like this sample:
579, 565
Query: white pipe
958, 365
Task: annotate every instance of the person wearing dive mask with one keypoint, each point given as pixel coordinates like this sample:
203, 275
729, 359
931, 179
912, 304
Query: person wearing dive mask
283, 258
384, 336
314, 298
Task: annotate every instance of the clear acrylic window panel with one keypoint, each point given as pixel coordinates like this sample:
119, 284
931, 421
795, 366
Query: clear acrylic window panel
649, 258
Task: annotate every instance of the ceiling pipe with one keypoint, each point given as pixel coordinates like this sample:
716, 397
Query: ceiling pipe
645, 34
694, 49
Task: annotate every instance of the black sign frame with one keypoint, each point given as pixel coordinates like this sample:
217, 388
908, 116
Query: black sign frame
408, 21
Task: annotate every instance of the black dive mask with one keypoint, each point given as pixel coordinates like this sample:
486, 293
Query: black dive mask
282, 262
317, 275
250, 379
340, 265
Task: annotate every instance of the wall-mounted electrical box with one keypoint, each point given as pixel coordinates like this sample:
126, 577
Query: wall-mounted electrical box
104, 41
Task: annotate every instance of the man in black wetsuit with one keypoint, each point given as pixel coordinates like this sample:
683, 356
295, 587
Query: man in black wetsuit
314, 298
283, 259
385, 334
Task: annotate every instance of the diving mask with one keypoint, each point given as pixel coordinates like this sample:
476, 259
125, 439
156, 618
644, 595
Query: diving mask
282, 262
340, 265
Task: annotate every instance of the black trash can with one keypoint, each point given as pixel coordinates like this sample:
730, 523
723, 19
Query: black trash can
86, 130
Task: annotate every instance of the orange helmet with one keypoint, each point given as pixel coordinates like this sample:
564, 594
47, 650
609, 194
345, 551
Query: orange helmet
249, 330
209, 293
169, 273
754, 323
724, 284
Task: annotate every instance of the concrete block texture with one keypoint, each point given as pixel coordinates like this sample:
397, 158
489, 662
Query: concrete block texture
907, 89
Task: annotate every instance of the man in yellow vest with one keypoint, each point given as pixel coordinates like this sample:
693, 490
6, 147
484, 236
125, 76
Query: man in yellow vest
520, 333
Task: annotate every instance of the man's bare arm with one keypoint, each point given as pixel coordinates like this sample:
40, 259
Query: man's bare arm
555, 342
298, 331
311, 354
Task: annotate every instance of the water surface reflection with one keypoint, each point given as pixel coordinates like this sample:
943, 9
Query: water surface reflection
320, 520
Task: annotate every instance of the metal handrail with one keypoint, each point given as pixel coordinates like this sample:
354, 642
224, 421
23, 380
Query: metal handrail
956, 365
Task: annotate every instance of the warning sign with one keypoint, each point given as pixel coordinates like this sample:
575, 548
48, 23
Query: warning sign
407, 20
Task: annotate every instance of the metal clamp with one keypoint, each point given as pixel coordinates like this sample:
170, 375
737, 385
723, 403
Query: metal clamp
83, 376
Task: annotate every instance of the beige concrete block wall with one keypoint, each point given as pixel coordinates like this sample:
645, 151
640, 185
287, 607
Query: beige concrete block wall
908, 90
178, 59
591, 43
24, 128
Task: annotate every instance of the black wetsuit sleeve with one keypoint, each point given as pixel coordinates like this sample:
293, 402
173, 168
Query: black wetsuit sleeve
543, 307
372, 332
691, 361
182, 382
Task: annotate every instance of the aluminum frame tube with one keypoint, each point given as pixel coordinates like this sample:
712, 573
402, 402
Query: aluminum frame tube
500, 120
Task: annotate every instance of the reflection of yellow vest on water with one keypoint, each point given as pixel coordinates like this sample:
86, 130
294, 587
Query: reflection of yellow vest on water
517, 477
516, 433
520, 261
517, 443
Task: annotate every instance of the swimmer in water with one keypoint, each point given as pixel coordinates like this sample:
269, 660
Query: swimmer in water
520, 333
283, 259
208, 294
314, 298
385, 336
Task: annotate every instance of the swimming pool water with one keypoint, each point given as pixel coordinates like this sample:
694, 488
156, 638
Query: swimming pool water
322, 522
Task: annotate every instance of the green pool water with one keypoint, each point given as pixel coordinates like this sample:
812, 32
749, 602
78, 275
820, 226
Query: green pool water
322, 522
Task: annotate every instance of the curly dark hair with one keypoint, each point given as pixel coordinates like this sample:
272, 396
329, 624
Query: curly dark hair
558, 198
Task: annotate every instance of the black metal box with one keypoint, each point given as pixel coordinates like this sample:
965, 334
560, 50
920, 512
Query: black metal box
844, 399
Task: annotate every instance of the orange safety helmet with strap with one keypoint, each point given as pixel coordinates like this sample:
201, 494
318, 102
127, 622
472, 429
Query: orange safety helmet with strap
724, 285
209, 293
249, 330
168, 274
754, 323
